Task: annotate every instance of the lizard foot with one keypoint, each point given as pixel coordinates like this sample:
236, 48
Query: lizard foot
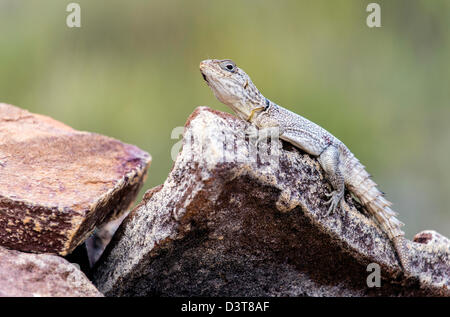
258, 135
336, 199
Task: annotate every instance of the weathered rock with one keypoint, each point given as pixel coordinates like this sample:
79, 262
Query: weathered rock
225, 224
431, 237
26, 274
57, 184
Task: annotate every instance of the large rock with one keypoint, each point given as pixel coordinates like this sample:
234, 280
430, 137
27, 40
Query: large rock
57, 184
26, 274
225, 223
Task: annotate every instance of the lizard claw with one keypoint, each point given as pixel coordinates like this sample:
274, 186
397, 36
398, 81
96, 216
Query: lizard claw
335, 201
254, 135
257, 136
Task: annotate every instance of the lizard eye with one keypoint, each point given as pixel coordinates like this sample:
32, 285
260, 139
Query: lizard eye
228, 66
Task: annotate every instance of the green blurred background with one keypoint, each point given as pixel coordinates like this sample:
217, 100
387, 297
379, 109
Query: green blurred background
131, 72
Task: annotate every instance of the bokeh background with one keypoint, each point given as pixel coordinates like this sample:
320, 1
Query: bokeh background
131, 72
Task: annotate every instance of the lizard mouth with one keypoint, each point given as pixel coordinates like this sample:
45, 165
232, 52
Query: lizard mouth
204, 77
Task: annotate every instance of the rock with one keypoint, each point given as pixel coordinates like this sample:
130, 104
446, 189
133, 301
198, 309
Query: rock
97, 242
57, 184
26, 274
431, 237
228, 223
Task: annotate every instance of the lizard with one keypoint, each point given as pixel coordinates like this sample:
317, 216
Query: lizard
234, 88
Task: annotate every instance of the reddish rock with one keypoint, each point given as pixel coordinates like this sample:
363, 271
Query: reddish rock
431, 237
57, 184
25, 274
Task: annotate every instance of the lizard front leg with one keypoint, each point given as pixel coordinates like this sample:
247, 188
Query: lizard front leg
263, 134
329, 159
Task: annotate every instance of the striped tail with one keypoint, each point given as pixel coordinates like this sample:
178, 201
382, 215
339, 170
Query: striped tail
358, 181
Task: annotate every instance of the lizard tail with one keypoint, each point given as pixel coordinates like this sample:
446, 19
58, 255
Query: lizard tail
365, 189
399, 244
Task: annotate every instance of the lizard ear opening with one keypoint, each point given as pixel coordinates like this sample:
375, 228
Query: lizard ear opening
246, 84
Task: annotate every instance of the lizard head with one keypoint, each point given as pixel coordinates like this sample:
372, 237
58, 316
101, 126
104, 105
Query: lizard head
231, 85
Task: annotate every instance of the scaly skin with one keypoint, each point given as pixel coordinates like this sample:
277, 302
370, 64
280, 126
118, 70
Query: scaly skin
233, 87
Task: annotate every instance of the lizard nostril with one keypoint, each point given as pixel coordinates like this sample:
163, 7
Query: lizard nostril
204, 77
